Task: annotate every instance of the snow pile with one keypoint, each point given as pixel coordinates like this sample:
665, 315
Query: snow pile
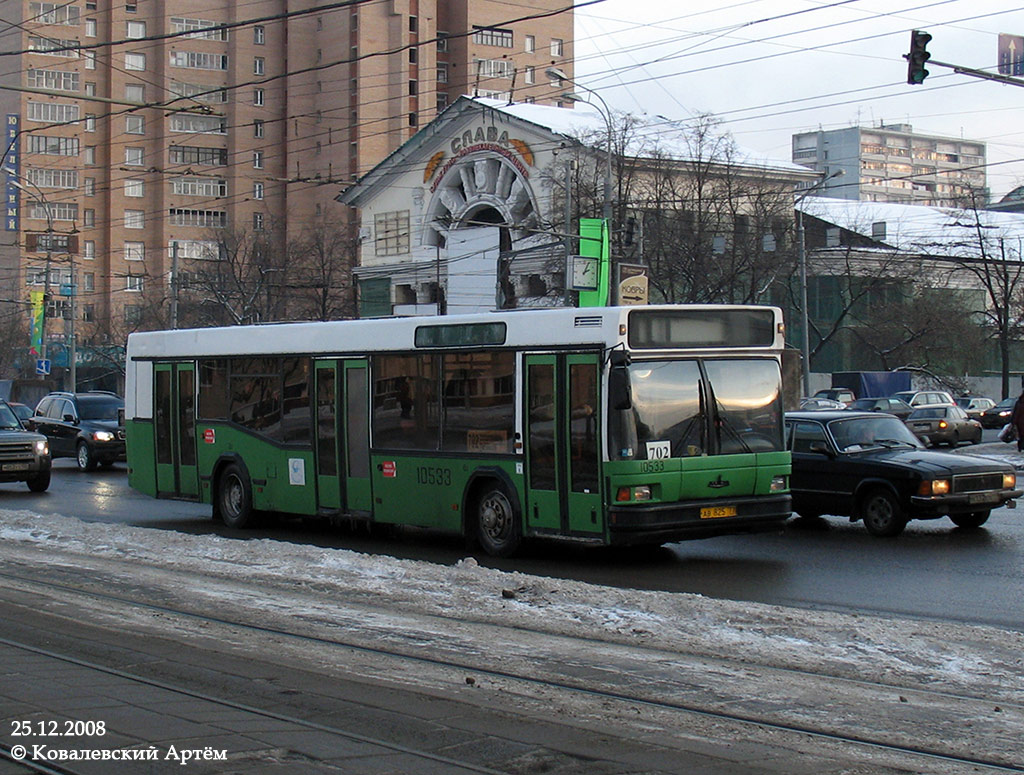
976, 659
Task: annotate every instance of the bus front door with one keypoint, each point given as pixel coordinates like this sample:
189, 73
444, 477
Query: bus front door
358, 496
328, 483
175, 420
563, 491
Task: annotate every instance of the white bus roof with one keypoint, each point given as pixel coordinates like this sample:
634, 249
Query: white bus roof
560, 327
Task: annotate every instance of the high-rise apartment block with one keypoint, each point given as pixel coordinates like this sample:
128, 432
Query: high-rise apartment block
140, 132
893, 163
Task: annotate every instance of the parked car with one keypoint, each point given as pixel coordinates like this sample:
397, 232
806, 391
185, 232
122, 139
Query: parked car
86, 426
24, 456
998, 415
888, 405
918, 398
23, 412
974, 405
820, 404
870, 467
842, 395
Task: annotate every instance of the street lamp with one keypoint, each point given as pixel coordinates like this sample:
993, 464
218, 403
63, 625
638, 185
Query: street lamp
805, 348
606, 114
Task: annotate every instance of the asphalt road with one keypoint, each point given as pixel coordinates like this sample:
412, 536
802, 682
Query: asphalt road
933, 570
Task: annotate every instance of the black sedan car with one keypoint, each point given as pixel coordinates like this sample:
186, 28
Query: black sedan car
870, 466
888, 405
998, 415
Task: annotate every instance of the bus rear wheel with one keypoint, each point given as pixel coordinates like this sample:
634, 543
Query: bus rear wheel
234, 497
497, 521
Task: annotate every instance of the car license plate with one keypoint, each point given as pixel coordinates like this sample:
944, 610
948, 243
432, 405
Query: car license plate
921, 425
713, 512
982, 497
16, 466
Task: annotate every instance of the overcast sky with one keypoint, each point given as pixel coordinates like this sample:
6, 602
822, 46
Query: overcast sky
770, 68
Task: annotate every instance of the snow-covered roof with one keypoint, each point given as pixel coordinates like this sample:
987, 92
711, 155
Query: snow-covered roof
668, 135
945, 231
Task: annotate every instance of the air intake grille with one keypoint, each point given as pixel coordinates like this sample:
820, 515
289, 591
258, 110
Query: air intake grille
592, 321
977, 482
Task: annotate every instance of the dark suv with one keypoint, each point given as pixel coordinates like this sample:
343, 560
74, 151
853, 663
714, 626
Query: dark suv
24, 456
86, 426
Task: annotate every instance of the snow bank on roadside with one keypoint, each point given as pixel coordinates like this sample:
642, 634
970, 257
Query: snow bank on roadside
898, 651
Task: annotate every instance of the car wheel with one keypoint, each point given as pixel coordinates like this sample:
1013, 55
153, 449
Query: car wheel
234, 497
497, 521
86, 460
882, 514
40, 482
972, 519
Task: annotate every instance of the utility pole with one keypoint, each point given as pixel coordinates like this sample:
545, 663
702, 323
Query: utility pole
174, 284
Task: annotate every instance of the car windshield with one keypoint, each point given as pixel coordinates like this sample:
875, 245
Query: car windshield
8, 420
95, 408
864, 403
928, 414
860, 433
672, 414
905, 395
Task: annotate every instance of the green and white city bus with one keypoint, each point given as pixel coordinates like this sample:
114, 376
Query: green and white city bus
616, 426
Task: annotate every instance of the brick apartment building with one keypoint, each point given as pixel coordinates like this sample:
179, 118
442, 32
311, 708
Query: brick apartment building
254, 122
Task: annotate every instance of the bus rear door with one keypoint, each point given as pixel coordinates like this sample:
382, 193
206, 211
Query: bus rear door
562, 423
175, 415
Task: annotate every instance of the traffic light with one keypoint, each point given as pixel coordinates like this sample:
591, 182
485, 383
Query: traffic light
917, 57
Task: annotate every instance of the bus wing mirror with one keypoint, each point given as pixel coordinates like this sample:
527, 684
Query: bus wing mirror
619, 395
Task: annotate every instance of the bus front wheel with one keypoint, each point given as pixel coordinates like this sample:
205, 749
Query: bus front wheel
234, 497
497, 523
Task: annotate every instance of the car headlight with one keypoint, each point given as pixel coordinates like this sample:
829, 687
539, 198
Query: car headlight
103, 436
1009, 481
42, 448
934, 487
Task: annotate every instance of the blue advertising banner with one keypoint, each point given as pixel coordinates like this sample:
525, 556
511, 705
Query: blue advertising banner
12, 171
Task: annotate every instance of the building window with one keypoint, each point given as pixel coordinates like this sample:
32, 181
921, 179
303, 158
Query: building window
55, 80
258, 128
134, 61
58, 47
53, 178
134, 92
134, 219
413, 119
134, 251
391, 232
442, 73
89, 249
529, 44
492, 36
90, 122
89, 217
413, 56
494, 68
131, 6
193, 124
133, 188
90, 89
195, 154
414, 24
89, 281
213, 219
257, 191
257, 97
54, 13
442, 42
208, 187
90, 186
413, 85
133, 156
196, 60
134, 283
257, 221
135, 30
257, 160
531, 74
90, 28
556, 47
201, 250
53, 146
53, 112
441, 101
89, 154
259, 34
199, 27
135, 125
259, 66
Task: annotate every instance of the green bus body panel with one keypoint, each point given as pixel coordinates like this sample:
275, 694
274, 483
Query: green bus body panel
414, 489
140, 438
282, 479
693, 478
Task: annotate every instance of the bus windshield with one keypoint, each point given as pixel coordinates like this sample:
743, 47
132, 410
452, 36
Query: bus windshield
680, 409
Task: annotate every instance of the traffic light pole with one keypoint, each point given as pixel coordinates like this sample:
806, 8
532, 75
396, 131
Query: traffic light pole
979, 73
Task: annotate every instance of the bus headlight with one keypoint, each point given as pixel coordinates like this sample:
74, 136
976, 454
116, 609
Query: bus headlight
640, 493
103, 436
779, 484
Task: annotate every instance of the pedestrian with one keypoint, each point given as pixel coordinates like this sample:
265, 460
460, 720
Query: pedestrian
1017, 421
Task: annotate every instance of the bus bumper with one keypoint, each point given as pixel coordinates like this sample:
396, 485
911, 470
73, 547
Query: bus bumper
665, 522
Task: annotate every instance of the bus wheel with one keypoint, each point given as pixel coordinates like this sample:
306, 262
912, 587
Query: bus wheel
234, 497
497, 525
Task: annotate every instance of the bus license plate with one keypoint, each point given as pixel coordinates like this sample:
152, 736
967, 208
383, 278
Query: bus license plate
713, 512
16, 466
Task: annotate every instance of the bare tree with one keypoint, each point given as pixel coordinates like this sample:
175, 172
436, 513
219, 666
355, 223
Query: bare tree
320, 281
